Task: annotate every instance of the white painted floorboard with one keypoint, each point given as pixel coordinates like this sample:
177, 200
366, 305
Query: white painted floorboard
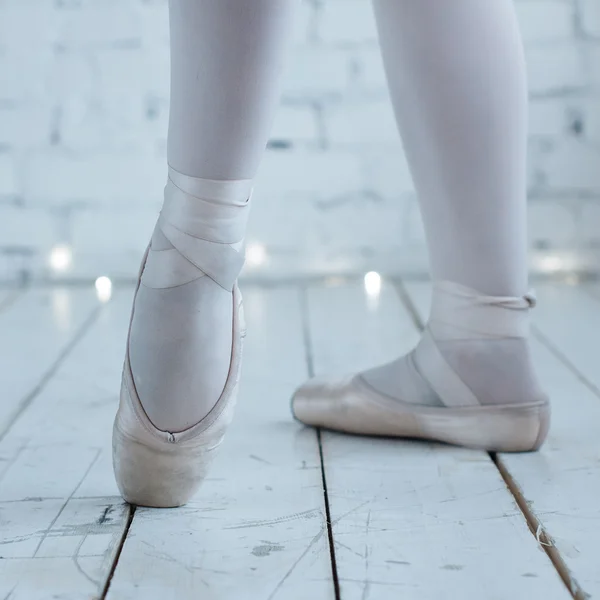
35, 328
60, 514
414, 520
561, 482
257, 528
8, 296
410, 520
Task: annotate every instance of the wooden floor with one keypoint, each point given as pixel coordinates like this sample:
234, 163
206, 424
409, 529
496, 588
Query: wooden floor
288, 512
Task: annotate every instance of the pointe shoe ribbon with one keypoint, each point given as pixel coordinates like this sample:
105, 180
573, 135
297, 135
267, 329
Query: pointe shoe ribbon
197, 235
457, 313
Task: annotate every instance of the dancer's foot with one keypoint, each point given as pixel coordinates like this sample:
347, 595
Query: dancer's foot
183, 356
469, 381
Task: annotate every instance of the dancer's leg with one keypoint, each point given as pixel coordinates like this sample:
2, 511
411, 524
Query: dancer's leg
458, 86
226, 61
457, 80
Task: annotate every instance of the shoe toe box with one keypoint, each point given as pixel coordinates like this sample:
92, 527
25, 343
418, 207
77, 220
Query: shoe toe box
325, 402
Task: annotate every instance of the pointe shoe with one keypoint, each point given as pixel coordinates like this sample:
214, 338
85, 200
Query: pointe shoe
159, 468
350, 404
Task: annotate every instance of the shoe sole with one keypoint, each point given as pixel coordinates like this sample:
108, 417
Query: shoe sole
506, 428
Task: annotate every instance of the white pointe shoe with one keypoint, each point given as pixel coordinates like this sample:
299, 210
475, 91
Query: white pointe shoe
451, 413
159, 468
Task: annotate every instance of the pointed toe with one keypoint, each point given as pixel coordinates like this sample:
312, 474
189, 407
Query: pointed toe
343, 404
318, 401
158, 469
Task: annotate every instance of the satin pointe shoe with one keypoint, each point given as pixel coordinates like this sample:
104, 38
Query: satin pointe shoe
159, 468
431, 394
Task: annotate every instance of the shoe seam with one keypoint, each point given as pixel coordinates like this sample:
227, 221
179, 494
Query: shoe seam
213, 415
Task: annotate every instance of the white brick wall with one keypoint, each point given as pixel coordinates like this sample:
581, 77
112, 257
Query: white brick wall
83, 118
589, 11
347, 22
544, 21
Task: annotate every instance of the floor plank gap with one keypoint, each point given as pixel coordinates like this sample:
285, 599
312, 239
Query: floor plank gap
334, 573
118, 553
29, 398
541, 535
308, 349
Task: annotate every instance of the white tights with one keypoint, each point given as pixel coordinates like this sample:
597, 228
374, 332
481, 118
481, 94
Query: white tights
457, 80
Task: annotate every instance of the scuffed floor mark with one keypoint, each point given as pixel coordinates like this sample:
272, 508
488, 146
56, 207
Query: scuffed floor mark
373, 582
20, 538
62, 508
10, 594
75, 559
307, 514
333, 523
452, 567
259, 459
297, 562
339, 544
366, 590
104, 517
266, 548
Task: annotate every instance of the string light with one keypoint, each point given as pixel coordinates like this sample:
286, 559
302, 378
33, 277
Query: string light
256, 254
372, 283
103, 287
61, 258
551, 264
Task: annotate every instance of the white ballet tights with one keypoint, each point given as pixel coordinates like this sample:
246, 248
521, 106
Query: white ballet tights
227, 57
457, 80
226, 61
458, 85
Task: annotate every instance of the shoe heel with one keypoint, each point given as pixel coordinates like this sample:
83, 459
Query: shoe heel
543, 426
521, 428
518, 428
